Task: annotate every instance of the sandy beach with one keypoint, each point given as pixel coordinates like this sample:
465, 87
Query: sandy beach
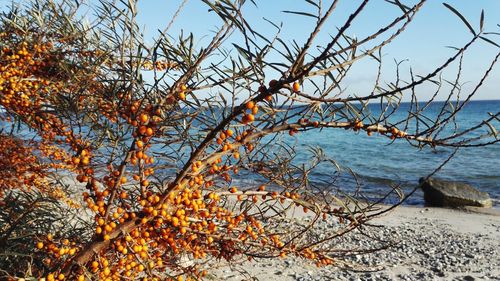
430, 244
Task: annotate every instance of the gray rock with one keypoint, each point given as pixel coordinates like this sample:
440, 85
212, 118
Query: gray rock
443, 193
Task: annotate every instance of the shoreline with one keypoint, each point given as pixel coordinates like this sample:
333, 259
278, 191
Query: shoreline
431, 244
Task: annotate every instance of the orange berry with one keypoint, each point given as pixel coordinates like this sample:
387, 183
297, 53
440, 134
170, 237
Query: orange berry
358, 125
296, 87
255, 110
39, 245
233, 189
85, 161
75, 160
139, 154
250, 105
139, 144
123, 195
144, 118
182, 96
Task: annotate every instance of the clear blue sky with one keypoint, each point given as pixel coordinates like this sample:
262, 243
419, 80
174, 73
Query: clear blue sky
423, 44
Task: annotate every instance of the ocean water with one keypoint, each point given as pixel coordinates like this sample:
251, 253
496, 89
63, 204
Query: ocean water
377, 163
370, 165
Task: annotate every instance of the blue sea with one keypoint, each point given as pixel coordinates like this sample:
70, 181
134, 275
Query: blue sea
371, 165
377, 163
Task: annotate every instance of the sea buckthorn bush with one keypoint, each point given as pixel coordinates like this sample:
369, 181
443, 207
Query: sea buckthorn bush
119, 160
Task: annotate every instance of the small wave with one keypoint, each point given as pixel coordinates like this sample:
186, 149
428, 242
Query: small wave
381, 180
486, 177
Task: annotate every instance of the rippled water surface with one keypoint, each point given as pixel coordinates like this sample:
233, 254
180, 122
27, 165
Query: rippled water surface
379, 163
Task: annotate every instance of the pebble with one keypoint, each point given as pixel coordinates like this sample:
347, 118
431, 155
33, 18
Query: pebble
423, 250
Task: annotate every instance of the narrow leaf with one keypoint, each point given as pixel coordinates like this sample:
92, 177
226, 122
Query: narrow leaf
489, 41
461, 17
403, 8
244, 53
481, 21
493, 130
313, 3
301, 14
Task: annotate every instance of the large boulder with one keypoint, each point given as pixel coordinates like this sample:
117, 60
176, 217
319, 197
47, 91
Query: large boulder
443, 193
